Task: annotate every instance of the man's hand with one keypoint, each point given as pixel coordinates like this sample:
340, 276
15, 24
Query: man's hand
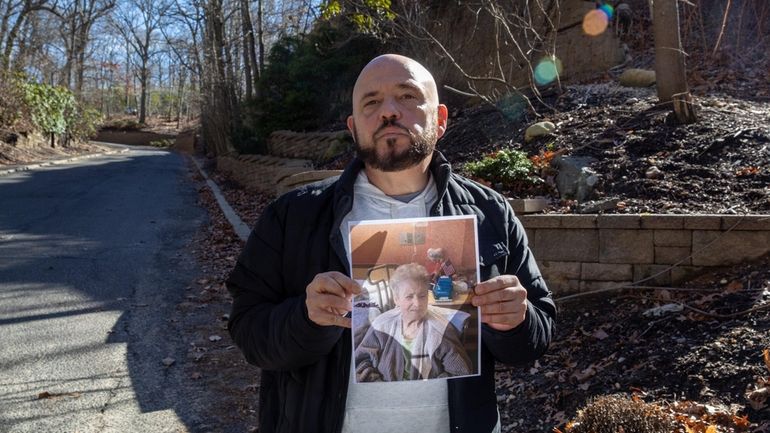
329, 297
503, 302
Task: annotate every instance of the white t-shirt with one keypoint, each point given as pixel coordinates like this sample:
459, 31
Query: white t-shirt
380, 407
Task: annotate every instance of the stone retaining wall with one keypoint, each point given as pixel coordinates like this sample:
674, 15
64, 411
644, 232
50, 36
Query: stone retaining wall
317, 146
586, 252
289, 153
261, 172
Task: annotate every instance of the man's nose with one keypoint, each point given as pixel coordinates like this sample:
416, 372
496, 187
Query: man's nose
390, 110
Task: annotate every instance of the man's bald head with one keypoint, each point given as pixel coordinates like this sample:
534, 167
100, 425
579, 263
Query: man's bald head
390, 65
396, 117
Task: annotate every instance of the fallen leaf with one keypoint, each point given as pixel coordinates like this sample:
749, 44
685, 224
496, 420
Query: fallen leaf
734, 286
766, 357
196, 375
741, 422
600, 334
584, 375
215, 338
168, 362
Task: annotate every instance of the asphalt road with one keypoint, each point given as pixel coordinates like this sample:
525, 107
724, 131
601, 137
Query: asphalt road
94, 256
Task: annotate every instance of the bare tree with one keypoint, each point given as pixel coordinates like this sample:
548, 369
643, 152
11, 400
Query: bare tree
15, 14
669, 60
78, 18
496, 54
188, 22
250, 68
261, 38
138, 21
217, 90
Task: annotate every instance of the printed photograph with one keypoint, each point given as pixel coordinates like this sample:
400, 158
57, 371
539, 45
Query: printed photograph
414, 319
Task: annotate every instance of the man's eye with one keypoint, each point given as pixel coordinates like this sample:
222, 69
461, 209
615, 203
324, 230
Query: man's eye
370, 102
408, 96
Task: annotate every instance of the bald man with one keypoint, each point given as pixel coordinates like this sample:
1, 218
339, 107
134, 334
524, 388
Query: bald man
291, 286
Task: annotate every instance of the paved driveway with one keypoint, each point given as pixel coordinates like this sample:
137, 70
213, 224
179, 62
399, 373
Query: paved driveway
94, 257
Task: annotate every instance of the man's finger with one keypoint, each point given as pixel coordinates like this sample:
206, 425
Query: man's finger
334, 283
496, 283
350, 286
492, 298
329, 302
503, 322
504, 307
501, 295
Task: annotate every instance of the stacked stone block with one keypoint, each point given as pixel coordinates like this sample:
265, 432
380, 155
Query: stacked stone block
588, 252
261, 172
316, 146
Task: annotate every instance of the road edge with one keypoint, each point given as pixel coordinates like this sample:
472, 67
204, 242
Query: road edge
28, 167
239, 227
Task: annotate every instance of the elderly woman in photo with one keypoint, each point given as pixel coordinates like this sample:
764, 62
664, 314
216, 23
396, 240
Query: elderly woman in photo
411, 341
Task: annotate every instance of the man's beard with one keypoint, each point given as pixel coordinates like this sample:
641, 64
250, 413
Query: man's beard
420, 146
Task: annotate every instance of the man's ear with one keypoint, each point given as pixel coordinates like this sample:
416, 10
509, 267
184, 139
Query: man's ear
443, 118
352, 127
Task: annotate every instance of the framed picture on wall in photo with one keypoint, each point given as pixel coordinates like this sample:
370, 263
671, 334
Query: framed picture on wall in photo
414, 319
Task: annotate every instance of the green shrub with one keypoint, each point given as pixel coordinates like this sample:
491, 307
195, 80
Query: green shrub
506, 168
122, 124
52, 110
162, 143
85, 124
306, 83
52, 107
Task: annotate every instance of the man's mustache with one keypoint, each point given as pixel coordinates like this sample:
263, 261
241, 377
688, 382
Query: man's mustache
391, 122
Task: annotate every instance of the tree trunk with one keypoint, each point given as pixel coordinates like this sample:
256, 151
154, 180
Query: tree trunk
670, 72
669, 57
143, 81
215, 112
80, 65
128, 76
13, 34
261, 38
9, 12
249, 53
28, 32
180, 95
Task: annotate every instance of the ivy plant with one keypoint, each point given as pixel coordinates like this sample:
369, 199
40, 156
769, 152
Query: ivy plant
52, 107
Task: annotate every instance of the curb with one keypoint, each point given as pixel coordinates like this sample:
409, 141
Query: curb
28, 167
239, 227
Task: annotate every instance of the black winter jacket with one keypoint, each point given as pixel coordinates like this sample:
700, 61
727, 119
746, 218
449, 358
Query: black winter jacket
305, 367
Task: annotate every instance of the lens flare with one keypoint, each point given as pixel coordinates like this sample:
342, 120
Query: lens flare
608, 10
595, 22
513, 106
547, 70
